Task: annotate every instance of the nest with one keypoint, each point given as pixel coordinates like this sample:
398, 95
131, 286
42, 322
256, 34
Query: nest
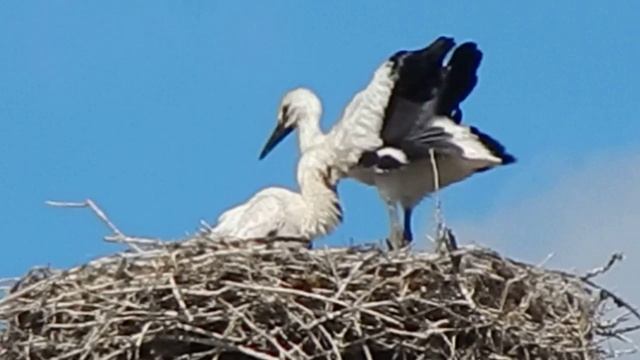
200, 299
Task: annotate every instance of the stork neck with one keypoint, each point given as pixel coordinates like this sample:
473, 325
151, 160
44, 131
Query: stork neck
309, 133
321, 198
315, 184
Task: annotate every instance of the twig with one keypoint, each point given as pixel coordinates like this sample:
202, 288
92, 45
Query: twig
179, 299
545, 260
443, 242
601, 270
436, 187
119, 236
604, 293
309, 295
205, 299
282, 352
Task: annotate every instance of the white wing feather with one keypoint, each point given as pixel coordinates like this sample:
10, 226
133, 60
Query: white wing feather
361, 123
264, 214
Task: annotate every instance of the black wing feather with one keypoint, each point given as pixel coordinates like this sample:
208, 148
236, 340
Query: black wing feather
419, 75
459, 79
426, 89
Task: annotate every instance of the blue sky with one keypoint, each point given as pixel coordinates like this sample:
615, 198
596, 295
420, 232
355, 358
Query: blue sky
157, 110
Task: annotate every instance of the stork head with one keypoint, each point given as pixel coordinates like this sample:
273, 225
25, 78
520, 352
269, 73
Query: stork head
296, 106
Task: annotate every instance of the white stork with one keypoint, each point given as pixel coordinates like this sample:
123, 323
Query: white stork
314, 211
420, 101
279, 213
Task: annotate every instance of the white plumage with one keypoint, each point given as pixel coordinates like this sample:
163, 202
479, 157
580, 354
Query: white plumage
386, 133
276, 212
357, 132
315, 210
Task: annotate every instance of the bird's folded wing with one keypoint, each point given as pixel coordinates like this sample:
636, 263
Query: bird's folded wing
261, 216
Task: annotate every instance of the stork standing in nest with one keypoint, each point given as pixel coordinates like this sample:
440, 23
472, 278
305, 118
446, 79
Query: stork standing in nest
417, 119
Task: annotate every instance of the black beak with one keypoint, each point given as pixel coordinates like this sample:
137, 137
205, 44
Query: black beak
278, 135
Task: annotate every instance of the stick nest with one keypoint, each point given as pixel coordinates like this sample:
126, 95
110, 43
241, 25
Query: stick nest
200, 299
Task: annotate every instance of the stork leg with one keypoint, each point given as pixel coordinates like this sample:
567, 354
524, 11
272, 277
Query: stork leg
395, 240
407, 233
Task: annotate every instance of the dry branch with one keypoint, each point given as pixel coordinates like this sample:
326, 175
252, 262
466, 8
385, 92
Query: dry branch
202, 298
206, 299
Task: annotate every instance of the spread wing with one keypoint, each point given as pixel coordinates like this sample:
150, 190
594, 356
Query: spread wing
397, 108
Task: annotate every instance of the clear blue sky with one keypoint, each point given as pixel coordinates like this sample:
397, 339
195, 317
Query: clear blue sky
157, 110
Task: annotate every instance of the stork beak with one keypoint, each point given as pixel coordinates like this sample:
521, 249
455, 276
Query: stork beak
279, 133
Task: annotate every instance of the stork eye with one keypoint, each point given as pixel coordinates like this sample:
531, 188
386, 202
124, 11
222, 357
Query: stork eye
284, 112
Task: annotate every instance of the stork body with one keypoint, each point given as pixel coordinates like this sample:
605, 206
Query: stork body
277, 212
409, 109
